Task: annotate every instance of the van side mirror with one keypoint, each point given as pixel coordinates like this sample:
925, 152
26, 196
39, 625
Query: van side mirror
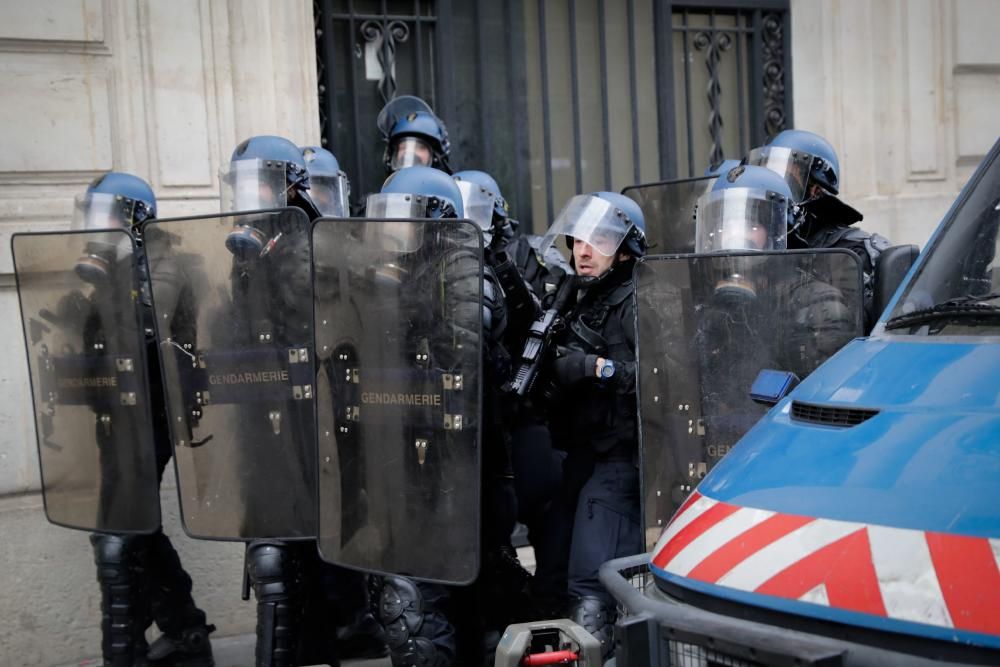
771, 386
893, 265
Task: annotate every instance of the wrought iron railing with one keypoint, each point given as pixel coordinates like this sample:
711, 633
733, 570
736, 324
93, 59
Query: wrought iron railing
556, 97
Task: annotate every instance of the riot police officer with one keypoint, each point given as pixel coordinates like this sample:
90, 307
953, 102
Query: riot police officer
536, 465
329, 188
141, 576
454, 623
485, 205
300, 600
749, 209
413, 135
595, 415
809, 165
330, 191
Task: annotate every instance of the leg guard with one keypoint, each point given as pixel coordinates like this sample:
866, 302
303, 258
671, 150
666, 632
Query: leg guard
595, 617
124, 612
274, 573
416, 631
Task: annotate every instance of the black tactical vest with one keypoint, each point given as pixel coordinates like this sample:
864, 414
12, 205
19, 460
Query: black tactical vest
602, 414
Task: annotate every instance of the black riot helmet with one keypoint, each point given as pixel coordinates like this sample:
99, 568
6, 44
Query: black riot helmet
114, 200
484, 204
748, 208
414, 135
608, 221
809, 165
803, 159
414, 192
328, 185
266, 172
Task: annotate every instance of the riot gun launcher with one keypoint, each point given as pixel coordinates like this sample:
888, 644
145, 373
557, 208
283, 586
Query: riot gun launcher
539, 342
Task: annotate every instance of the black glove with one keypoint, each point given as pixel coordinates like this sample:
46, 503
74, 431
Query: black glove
502, 234
574, 365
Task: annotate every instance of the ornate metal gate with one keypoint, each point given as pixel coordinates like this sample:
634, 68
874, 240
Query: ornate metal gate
731, 89
557, 97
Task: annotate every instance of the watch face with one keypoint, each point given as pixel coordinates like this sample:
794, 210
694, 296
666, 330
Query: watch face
607, 370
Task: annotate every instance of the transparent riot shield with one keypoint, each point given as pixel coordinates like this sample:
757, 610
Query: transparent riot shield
233, 304
87, 364
669, 211
707, 325
398, 326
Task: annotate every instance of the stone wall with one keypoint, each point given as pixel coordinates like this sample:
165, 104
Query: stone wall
907, 92
164, 90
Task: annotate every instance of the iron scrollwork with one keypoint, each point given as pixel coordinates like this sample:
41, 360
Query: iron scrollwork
321, 56
714, 43
773, 51
389, 33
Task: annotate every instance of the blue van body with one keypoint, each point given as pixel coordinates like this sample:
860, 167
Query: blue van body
860, 518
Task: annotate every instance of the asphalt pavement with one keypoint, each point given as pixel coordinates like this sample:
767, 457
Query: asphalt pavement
237, 651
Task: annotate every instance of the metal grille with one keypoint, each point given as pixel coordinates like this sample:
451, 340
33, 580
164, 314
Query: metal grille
681, 654
730, 81
367, 51
692, 655
646, 90
830, 415
641, 579
557, 97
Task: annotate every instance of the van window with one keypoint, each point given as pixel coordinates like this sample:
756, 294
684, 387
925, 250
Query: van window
957, 289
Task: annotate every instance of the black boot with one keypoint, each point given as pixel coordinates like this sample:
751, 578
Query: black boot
189, 648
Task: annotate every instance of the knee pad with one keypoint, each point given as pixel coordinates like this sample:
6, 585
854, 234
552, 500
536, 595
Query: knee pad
118, 557
272, 568
418, 652
413, 625
595, 617
112, 549
400, 610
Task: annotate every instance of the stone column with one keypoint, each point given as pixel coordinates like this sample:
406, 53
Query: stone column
164, 90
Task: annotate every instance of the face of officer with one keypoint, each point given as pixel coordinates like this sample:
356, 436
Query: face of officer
588, 261
412, 151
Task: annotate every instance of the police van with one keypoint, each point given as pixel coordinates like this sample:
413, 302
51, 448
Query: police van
858, 522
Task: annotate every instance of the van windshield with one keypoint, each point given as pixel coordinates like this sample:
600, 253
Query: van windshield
957, 289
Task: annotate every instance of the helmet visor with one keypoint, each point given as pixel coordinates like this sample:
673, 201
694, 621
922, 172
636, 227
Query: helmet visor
592, 220
401, 237
99, 210
793, 166
740, 219
330, 194
253, 185
478, 204
411, 151
395, 205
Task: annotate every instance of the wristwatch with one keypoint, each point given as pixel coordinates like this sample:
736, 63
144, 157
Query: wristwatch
607, 370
